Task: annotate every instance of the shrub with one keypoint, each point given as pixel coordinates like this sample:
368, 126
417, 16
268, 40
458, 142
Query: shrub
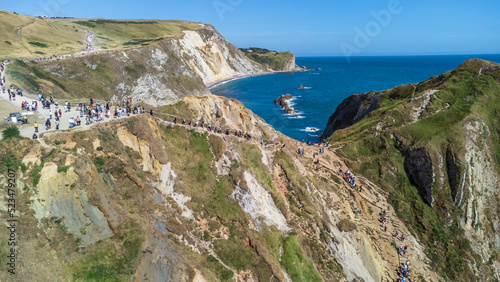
11, 132
38, 44
63, 169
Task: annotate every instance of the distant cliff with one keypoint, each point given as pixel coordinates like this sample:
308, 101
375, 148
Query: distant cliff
271, 60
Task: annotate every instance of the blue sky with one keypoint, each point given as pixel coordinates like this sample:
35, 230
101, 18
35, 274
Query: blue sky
313, 28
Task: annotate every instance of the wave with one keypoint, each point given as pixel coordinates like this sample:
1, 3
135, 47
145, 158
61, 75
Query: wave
296, 116
310, 129
291, 103
306, 88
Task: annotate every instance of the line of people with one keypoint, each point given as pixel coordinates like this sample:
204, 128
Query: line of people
216, 129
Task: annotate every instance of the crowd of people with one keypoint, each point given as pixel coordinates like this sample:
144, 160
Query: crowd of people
216, 129
403, 271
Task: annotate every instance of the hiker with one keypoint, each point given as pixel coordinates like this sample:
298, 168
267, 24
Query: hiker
34, 136
57, 123
47, 124
151, 112
36, 126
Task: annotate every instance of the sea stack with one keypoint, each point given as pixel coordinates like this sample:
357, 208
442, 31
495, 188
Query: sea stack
282, 102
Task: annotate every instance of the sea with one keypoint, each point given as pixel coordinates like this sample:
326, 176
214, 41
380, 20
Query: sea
325, 89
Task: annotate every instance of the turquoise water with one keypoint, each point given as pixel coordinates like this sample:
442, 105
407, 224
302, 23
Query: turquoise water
327, 88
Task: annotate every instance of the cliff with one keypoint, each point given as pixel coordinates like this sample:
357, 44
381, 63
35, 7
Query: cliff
271, 60
433, 146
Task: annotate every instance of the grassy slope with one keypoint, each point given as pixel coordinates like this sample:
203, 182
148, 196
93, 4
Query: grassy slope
29, 37
271, 59
23, 36
470, 97
119, 35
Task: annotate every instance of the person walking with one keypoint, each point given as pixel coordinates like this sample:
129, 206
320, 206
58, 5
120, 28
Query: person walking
36, 127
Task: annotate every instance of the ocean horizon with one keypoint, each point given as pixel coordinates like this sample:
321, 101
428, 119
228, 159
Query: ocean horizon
328, 87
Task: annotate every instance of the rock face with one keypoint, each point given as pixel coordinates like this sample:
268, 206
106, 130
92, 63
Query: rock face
352, 110
290, 64
418, 167
282, 101
455, 176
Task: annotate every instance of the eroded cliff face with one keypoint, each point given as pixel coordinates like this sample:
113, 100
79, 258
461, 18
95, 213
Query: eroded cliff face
141, 199
157, 74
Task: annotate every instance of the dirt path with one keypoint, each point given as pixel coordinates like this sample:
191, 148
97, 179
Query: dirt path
19, 36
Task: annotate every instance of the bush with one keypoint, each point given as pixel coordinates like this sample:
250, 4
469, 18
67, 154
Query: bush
11, 132
62, 169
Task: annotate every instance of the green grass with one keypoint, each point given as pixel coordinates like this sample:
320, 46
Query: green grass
35, 174
222, 206
222, 273
234, 252
296, 263
62, 169
191, 158
106, 261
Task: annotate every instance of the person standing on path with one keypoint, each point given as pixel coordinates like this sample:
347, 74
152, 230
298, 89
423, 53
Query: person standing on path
36, 127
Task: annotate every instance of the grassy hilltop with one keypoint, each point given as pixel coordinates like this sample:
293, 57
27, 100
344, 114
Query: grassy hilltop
29, 37
268, 58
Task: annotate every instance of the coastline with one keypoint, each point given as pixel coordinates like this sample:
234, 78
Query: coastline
216, 83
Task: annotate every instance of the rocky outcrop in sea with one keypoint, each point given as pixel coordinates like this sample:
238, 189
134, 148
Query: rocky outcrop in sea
282, 101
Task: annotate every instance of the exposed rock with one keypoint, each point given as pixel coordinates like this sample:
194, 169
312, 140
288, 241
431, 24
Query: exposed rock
283, 102
352, 110
218, 113
418, 167
258, 203
455, 176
